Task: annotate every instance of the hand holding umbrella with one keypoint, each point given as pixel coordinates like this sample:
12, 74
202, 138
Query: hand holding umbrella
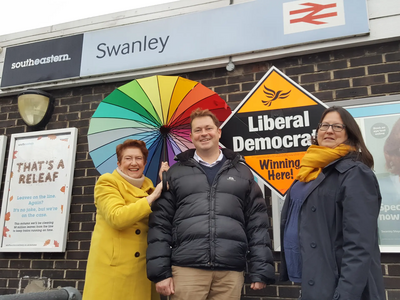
161, 186
163, 175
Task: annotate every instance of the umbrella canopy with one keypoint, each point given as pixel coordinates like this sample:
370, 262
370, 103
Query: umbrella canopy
155, 110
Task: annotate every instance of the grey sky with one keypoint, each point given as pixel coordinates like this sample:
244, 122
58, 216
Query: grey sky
21, 15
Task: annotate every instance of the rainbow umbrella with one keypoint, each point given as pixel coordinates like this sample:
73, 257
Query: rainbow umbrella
155, 110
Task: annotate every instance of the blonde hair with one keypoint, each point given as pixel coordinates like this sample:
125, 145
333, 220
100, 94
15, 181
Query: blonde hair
198, 112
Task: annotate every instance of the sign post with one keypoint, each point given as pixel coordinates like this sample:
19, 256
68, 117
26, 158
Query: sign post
273, 127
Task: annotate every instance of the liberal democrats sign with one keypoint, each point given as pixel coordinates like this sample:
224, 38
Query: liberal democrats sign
188, 37
273, 127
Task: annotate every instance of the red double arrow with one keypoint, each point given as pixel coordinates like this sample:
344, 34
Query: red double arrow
312, 17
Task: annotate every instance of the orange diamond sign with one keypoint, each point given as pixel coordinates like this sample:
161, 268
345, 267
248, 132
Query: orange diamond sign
272, 128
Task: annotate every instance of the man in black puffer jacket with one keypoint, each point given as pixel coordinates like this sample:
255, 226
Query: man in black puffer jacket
211, 221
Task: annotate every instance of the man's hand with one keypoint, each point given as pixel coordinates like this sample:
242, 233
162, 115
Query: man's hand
258, 285
166, 287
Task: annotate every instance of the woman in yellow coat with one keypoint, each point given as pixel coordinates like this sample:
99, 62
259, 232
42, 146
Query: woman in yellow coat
116, 268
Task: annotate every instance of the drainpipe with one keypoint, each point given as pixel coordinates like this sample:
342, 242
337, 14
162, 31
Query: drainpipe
65, 293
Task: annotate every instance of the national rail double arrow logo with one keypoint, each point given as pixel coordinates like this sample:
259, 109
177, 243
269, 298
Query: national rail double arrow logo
302, 16
313, 11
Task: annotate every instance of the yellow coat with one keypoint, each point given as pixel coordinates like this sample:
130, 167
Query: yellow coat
116, 268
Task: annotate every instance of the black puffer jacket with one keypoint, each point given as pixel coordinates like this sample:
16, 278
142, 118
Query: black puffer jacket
210, 227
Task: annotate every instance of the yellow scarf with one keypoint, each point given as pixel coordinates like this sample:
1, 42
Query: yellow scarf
317, 158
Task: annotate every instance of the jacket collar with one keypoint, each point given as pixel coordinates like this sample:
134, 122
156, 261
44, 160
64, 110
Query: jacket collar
229, 154
344, 163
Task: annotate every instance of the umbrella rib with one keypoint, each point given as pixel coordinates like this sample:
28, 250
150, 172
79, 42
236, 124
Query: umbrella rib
117, 129
104, 161
116, 138
161, 104
154, 122
169, 105
179, 117
156, 142
179, 146
174, 145
150, 118
151, 136
180, 122
151, 102
148, 134
179, 139
183, 99
124, 118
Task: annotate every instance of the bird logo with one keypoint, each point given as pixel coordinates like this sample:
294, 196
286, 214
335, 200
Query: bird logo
272, 95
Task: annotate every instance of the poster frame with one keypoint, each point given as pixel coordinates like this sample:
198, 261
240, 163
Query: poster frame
3, 144
70, 168
277, 204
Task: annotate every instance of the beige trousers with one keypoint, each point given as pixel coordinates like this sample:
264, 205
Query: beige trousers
199, 284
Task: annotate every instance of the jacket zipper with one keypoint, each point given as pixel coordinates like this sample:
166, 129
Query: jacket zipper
212, 204
212, 213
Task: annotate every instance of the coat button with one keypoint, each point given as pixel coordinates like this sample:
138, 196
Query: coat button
336, 296
313, 245
313, 208
137, 231
137, 254
311, 282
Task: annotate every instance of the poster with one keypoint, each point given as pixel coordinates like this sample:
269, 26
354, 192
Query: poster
380, 126
37, 192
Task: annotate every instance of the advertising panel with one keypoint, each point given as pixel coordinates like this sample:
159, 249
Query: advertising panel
380, 126
37, 192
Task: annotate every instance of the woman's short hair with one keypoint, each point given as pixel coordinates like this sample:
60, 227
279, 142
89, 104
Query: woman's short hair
132, 144
391, 149
198, 112
354, 136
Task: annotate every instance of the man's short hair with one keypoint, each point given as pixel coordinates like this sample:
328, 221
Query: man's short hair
198, 112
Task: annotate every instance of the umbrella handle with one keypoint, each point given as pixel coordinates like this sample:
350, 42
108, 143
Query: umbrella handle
164, 181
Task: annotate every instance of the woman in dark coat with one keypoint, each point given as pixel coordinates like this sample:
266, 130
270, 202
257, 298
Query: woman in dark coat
329, 233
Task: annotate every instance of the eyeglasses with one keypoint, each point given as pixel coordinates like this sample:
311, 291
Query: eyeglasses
335, 127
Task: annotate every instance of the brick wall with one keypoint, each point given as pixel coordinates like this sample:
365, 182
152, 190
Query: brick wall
330, 76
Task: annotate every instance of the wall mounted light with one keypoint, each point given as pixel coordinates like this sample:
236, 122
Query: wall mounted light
35, 108
230, 66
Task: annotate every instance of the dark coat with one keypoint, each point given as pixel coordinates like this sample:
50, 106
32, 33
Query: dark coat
210, 227
338, 235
